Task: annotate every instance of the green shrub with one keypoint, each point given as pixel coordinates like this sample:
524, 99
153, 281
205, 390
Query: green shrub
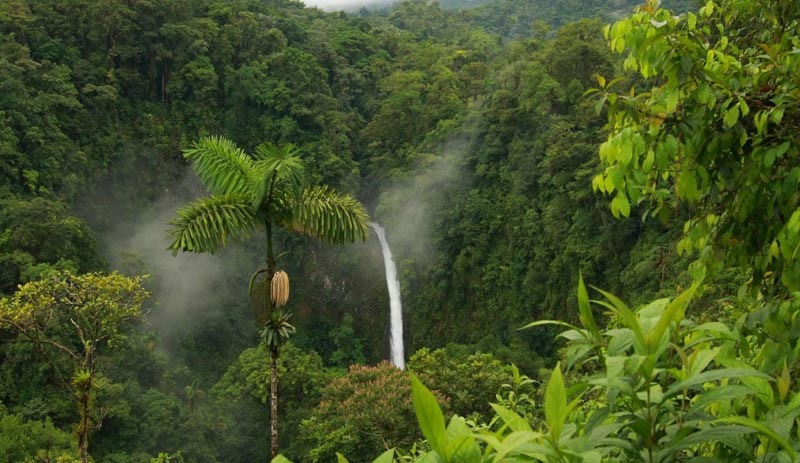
362, 414
469, 380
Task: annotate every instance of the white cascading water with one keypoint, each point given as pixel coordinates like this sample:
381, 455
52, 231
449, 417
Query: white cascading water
397, 356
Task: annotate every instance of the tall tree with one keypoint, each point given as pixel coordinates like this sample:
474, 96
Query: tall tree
70, 319
266, 189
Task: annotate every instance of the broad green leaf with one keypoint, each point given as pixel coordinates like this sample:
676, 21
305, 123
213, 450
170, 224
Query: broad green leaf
552, 322
604, 149
713, 375
650, 314
784, 381
617, 178
555, 403
774, 250
429, 416
719, 329
782, 425
743, 107
283, 459
760, 427
673, 314
700, 359
625, 152
625, 314
671, 98
686, 185
340, 458
385, 457
461, 445
458, 427
761, 120
621, 340
577, 336
703, 93
732, 436
430, 457
512, 442
620, 205
691, 21
731, 115
585, 310
708, 10
776, 152
721, 395
776, 115
511, 419
649, 159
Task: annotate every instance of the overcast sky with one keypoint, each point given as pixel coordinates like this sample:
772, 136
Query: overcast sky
335, 5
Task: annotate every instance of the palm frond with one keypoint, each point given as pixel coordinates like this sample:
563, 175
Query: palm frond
280, 165
329, 216
222, 166
208, 223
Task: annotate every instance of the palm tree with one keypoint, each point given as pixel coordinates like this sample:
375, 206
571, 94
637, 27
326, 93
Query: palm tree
193, 392
263, 190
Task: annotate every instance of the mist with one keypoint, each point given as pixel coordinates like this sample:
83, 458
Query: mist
411, 209
188, 288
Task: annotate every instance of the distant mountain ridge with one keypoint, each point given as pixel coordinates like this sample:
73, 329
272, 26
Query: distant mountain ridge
514, 18
609, 5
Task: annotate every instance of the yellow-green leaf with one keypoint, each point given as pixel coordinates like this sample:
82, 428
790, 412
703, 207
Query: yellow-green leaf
620, 205
555, 402
784, 381
429, 416
731, 116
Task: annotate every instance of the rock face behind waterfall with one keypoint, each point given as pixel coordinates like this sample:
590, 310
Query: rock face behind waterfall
397, 356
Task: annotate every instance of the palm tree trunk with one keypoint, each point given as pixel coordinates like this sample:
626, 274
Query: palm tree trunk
270, 253
273, 353
273, 399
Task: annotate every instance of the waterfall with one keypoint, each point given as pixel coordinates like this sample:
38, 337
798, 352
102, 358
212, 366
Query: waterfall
397, 356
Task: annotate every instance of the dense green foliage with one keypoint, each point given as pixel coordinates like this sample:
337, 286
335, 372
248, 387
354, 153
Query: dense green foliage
714, 132
70, 320
469, 380
472, 135
660, 384
27, 440
372, 104
361, 414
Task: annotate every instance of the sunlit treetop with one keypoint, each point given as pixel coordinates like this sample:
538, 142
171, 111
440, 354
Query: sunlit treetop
67, 311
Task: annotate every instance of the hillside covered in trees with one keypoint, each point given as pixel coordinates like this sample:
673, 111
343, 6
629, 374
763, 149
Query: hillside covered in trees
518, 154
